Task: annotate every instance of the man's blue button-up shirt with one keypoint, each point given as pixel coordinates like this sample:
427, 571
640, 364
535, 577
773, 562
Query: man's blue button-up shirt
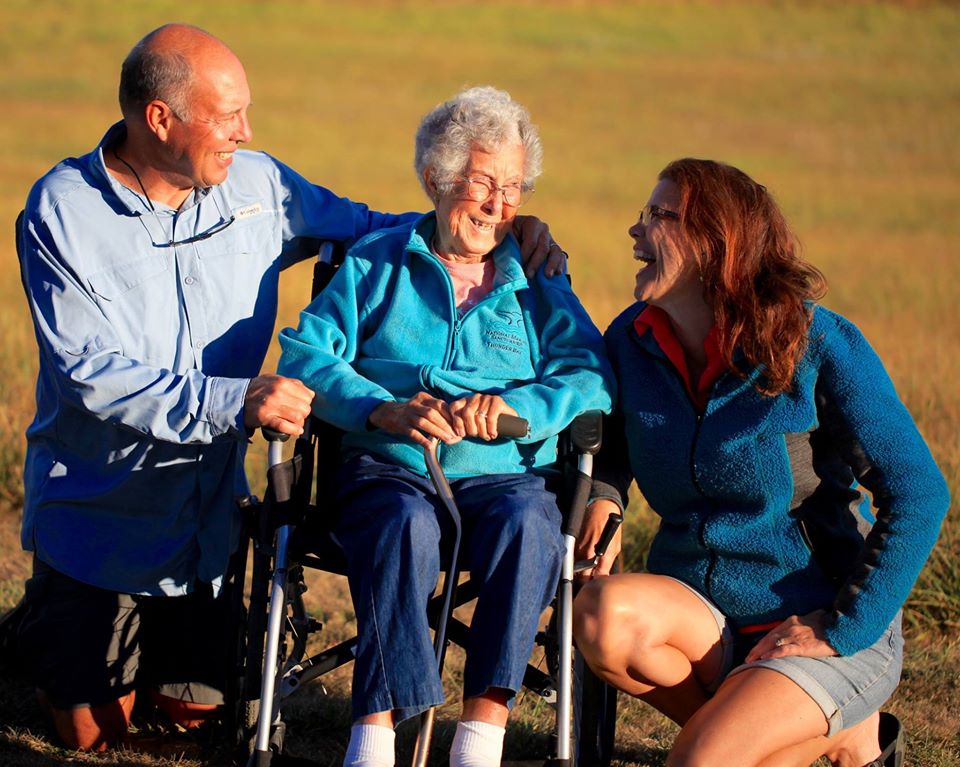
150, 324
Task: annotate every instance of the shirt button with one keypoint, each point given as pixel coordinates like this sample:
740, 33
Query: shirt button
198, 345
189, 280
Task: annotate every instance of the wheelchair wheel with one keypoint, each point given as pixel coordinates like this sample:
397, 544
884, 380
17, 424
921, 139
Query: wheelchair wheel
594, 717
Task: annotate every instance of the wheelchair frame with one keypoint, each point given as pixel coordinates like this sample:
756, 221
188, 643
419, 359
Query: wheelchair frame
585, 706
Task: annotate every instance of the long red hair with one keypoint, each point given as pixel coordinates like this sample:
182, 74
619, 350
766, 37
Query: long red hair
754, 278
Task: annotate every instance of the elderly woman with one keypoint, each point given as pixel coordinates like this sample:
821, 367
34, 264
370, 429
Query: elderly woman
766, 625
431, 331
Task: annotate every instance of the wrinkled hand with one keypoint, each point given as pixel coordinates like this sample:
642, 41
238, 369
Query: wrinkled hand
537, 246
278, 403
476, 415
593, 523
420, 418
796, 636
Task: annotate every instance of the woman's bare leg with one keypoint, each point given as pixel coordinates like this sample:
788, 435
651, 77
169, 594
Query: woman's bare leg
650, 637
761, 718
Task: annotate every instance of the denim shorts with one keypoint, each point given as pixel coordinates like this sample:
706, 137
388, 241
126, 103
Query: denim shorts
847, 688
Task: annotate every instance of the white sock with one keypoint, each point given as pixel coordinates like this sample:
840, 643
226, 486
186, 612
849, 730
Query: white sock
371, 745
477, 744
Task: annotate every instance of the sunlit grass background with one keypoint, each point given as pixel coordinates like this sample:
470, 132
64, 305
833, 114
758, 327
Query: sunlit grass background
848, 112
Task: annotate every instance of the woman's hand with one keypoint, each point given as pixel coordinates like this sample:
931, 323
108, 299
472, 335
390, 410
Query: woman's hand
420, 418
476, 415
593, 523
795, 636
537, 246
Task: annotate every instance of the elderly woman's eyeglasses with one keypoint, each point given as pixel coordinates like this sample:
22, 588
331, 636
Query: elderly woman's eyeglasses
480, 189
652, 212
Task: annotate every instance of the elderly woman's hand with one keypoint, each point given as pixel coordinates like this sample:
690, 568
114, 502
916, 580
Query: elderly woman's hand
537, 246
420, 418
476, 415
795, 636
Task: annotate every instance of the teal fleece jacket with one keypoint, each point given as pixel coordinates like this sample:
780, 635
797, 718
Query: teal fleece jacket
758, 495
386, 327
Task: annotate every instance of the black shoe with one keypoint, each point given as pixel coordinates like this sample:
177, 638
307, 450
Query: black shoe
892, 741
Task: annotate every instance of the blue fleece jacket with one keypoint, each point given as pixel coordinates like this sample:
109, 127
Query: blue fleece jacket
386, 327
758, 495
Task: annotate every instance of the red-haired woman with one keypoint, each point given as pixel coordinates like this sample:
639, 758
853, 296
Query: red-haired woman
767, 623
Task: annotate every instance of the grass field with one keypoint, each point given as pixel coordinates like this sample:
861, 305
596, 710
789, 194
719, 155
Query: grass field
848, 112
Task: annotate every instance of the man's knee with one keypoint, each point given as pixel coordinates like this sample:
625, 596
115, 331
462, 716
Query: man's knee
93, 728
186, 714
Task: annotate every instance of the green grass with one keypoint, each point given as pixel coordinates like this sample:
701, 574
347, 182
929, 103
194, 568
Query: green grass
848, 112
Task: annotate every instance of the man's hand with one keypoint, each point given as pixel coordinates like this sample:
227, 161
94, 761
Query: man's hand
278, 403
593, 523
420, 418
537, 246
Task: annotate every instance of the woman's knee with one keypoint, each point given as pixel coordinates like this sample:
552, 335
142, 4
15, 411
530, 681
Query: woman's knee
605, 623
408, 525
521, 534
532, 516
398, 554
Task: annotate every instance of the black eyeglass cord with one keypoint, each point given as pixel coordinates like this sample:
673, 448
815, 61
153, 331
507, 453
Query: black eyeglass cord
137, 177
173, 243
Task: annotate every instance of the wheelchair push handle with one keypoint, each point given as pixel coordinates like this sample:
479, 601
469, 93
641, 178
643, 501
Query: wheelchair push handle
606, 535
275, 441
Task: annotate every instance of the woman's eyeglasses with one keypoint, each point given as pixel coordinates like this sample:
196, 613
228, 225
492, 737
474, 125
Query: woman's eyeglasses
652, 212
480, 189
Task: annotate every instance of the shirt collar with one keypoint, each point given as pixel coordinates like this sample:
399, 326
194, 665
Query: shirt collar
134, 202
655, 320
506, 255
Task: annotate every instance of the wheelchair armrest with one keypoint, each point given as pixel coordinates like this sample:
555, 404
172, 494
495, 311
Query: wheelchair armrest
586, 432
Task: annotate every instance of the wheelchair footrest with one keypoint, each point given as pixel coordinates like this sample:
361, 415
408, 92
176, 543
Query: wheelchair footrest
542, 684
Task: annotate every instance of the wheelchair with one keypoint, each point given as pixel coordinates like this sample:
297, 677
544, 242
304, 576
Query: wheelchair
288, 532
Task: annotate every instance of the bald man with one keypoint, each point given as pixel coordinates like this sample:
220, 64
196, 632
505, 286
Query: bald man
151, 267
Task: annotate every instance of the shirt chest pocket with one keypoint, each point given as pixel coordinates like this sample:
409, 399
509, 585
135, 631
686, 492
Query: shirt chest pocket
140, 302
137, 277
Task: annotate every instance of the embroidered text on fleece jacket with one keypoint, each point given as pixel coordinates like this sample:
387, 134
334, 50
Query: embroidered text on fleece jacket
755, 493
386, 327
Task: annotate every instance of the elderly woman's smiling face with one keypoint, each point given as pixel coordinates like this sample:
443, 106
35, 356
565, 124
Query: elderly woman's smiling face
467, 229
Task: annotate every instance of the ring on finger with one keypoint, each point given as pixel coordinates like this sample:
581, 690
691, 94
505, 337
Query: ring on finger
481, 415
780, 642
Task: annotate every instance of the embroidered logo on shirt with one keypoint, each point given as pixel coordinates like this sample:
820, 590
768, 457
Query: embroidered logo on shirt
248, 211
511, 318
504, 341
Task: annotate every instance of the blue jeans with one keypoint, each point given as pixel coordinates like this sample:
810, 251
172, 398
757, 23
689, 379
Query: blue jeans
392, 528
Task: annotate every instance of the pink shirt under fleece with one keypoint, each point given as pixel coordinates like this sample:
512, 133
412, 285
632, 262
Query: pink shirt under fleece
471, 282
